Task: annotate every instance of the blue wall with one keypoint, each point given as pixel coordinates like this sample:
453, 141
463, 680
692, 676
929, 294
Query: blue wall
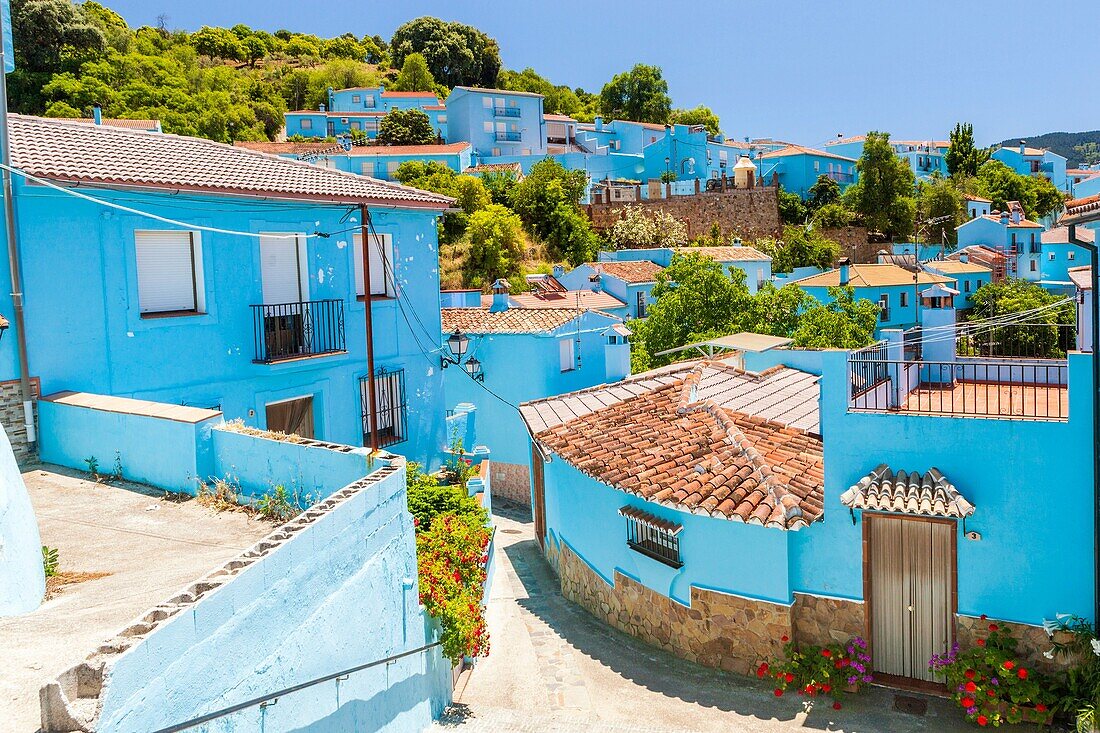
515, 119
797, 172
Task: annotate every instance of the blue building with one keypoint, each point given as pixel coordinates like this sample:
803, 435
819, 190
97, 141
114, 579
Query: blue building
630, 281
203, 274
497, 123
376, 161
893, 288
1059, 256
797, 168
361, 109
968, 277
525, 354
1028, 161
925, 157
1010, 233
976, 206
714, 508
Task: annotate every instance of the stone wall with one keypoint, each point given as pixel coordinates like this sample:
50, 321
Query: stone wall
854, 245
1033, 640
819, 620
511, 481
11, 414
717, 630
745, 213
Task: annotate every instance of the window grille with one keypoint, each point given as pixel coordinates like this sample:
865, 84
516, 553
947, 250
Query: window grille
652, 536
392, 409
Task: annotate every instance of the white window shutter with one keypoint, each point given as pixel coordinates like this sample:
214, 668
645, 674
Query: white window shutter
281, 275
565, 352
166, 271
380, 272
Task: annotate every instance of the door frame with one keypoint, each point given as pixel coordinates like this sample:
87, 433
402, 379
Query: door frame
868, 605
538, 498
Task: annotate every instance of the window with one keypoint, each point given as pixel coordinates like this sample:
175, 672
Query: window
966, 286
565, 355
487, 125
1034, 266
355, 125
370, 101
441, 119
392, 413
391, 167
640, 305
169, 272
817, 166
293, 417
1050, 256
283, 276
1071, 255
884, 306
498, 102
652, 536
306, 124
356, 99
496, 151
381, 264
486, 102
903, 299
1013, 239
527, 151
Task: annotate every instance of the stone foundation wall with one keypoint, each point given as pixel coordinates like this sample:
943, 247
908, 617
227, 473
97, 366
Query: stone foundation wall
745, 213
717, 630
1033, 640
822, 621
854, 245
511, 481
11, 415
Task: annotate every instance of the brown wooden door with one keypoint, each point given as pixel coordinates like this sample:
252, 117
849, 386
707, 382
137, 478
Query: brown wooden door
538, 505
911, 574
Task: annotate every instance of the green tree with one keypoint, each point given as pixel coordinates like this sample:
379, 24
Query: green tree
939, 198
414, 76
1039, 337
833, 216
218, 43
700, 115
556, 99
406, 127
1001, 184
844, 323
499, 184
346, 46
963, 158
825, 191
547, 186
883, 194
640, 94
457, 54
496, 245
51, 37
792, 210
800, 247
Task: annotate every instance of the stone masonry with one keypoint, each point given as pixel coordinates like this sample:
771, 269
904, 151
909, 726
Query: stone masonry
746, 213
511, 481
11, 414
820, 621
1032, 640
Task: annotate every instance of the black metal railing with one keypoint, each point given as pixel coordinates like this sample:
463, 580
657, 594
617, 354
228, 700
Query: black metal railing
867, 368
967, 387
391, 415
1017, 340
292, 330
506, 111
513, 137
661, 545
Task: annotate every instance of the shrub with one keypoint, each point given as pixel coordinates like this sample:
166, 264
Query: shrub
278, 505
428, 499
496, 244
819, 670
50, 560
638, 228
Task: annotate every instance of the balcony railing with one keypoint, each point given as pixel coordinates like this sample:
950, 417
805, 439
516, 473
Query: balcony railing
1017, 340
841, 177
293, 330
509, 137
506, 111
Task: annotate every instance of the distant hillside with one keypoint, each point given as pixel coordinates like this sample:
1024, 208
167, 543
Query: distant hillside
1079, 148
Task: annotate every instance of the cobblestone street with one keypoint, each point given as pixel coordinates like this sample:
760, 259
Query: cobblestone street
553, 667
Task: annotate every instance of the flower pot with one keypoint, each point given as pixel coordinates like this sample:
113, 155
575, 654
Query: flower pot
852, 688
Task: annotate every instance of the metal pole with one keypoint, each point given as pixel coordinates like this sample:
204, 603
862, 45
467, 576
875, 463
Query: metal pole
372, 404
1094, 274
14, 266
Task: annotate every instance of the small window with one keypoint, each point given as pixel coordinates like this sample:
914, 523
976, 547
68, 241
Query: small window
1034, 266
1071, 255
391, 418
1050, 256
486, 102
966, 286
382, 274
169, 272
370, 101
306, 124
496, 151
487, 125
903, 299
652, 536
355, 125
293, 417
817, 166
640, 305
356, 99
565, 355
441, 119
499, 101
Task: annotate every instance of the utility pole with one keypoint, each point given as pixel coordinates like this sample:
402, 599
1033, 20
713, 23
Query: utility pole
372, 398
14, 266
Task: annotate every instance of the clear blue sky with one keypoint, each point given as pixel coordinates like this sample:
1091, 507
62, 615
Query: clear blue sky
802, 70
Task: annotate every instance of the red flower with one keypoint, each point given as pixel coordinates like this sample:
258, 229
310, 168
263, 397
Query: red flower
784, 638
1021, 673
1040, 707
826, 653
836, 705
789, 677
1010, 664
970, 687
993, 627
990, 693
967, 702
778, 692
762, 670
983, 617
982, 720
826, 688
838, 665
981, 642
969, 674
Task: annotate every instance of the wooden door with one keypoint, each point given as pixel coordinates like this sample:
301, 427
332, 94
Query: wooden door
911, 574
538, 500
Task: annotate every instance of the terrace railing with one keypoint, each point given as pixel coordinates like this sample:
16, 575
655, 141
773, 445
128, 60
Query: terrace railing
1017, 341
293, 330
506, 111
511, 137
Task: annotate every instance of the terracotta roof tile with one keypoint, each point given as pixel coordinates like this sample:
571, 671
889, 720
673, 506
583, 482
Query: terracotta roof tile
513, 320
743, 253
871, 276
1060, 235
576, 299
667, 446
630, 271
929, 494
407, 95
956, 267
1082, 210
803, 150
1081, 277
68, 151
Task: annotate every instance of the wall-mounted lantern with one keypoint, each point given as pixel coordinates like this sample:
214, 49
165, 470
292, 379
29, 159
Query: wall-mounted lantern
457, 344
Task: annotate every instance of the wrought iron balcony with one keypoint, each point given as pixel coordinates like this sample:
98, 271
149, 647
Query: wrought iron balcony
284, 331
509, 137
506, 111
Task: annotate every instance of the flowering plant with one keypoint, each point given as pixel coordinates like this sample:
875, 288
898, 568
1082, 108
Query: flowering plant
819, 670
991, 684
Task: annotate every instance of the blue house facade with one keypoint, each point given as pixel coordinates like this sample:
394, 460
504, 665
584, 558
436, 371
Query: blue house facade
240, 288
968, 277
1059, 256
375, 161
1028, 161
1011, 233
497, 123
797, 168
361, 110
526, 354
629, 281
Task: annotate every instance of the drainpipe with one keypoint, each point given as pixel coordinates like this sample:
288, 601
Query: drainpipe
372, 405
1095, 284
14, 265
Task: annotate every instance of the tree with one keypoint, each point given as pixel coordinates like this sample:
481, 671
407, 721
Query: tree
792, 210
1001, 184
640, 94
414, 76
883, 194
700, 115
547, 186
800, 247
1041, 336
843, 323
556, 99
963, 157
499, 184
217, 43
833, 216
496, 245
939, 198
406, 127
346, 46
824, 192
50, 37
457, 54
639, 228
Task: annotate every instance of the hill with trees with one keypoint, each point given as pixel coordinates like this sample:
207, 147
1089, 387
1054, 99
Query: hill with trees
1078, 148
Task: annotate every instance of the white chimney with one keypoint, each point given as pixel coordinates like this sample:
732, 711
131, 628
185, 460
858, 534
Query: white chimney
500, 296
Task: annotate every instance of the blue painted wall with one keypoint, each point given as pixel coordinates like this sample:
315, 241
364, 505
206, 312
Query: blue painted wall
1029, 163
22, 577
798, 171
497, 123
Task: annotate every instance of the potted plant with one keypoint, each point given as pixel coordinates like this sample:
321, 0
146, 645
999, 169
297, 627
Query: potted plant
1070, 635
813, 670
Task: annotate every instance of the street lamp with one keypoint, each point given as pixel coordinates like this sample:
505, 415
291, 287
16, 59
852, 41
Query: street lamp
457, 344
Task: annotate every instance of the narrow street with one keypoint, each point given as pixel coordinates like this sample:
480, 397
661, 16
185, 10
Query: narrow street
553, 667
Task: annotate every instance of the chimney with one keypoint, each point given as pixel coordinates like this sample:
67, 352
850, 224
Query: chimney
1017, 212
843, 266
500, 296
1023, 147
616, 352
964, 257
321, 108
1004, 218
595, 281
97, 113
558, 271
598, 122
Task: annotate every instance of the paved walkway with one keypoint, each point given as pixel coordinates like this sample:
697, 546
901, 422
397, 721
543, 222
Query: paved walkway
553, 667
150, 549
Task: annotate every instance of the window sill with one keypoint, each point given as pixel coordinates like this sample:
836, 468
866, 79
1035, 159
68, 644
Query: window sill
375, 298
171, 314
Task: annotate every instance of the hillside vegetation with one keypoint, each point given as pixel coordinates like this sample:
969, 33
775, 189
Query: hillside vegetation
1078, 148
